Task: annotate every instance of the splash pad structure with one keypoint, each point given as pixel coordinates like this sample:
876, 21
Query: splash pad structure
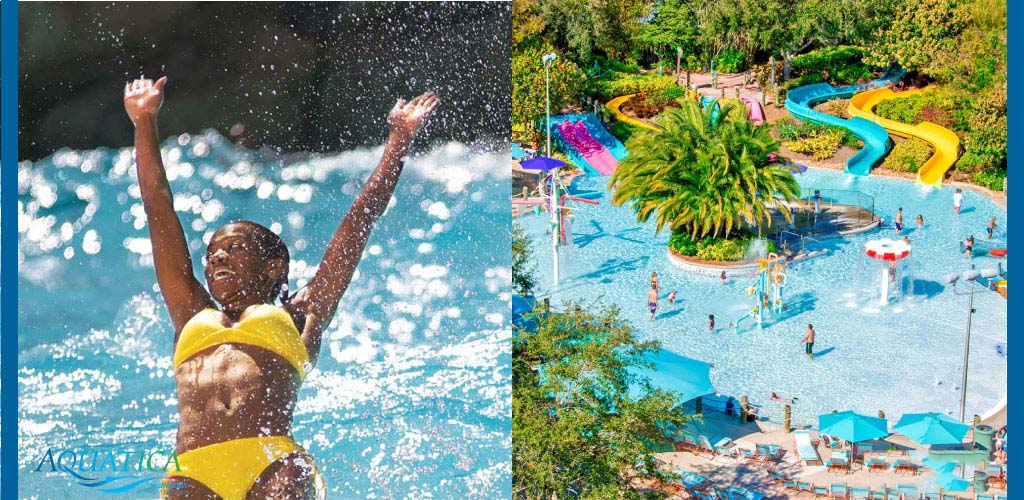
894, 262
553, 194
769, 282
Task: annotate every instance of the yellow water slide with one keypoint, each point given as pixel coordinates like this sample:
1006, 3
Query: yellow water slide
943, 140
614, 105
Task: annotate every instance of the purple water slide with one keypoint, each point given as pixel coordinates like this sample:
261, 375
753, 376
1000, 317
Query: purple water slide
577, 135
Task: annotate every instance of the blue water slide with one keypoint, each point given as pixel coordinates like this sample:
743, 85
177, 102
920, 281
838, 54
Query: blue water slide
710, 105
597, 131
800, 103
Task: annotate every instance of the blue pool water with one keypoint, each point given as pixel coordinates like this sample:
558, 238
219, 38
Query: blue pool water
902, 358
411, 397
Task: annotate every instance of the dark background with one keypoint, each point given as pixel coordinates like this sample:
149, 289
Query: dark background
291, 76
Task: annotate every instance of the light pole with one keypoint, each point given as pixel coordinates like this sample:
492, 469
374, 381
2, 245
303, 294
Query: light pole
971, 276
547, 59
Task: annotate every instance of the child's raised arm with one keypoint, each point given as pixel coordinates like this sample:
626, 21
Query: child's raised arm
320, 299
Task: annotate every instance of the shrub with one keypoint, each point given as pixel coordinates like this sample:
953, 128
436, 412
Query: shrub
720, 249
730, 61
622, 131
992, 179
903, 109
820, 145
683, 243
788, 129
619, 84
834, 107
908, 155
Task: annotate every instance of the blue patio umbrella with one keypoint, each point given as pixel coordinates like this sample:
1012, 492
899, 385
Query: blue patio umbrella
931, 428
852, 426
518, 153
542, 163
688, 377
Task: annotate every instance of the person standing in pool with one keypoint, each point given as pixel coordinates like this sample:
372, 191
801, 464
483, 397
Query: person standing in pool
958, 201
969, 247
711, 323
899, 221
652, 300
809, 341
239, 359
654, 280
817, 201
991, 227
920, 222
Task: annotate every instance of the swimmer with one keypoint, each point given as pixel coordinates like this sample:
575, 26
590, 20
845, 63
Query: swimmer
809, 341
991, 227
723, 276
239, 358
776, 397
711, 322
969, 247
672, 297
899, 221
652, 300
958, 201
920, 222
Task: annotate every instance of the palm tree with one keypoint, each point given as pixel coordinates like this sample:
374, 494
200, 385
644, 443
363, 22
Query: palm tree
704, 176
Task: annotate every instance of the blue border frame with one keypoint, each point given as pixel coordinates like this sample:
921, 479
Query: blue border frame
9, 252
1013, 133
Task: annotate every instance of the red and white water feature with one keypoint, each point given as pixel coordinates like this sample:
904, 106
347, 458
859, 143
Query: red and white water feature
889, 253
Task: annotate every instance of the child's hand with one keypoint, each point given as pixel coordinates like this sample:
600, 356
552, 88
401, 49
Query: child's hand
142, 98
407, 117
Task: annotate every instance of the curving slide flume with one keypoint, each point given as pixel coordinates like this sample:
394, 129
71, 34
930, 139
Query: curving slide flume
944, 141
800, 102
576, 135
754, 110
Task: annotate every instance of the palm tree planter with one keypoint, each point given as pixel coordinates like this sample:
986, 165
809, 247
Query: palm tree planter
702, 176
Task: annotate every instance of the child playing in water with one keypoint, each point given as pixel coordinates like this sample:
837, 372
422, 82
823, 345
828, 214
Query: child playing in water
920, 222
723, 276
711, 322
239, 359
652, 300
899, 221
969, 247
672, 297
991, 227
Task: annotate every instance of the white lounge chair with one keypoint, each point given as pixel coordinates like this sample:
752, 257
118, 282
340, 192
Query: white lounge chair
805, 451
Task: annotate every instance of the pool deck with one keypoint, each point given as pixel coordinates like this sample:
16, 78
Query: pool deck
724, 471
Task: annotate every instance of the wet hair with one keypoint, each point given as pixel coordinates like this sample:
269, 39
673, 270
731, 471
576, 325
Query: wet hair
810, 326
271, 246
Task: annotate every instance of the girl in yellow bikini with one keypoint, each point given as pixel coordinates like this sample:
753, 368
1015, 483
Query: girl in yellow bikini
238, 358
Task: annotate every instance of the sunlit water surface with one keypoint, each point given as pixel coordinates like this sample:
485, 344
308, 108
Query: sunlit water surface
411, 397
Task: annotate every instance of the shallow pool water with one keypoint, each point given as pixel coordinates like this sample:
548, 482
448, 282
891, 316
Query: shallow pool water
410, 398
905, 357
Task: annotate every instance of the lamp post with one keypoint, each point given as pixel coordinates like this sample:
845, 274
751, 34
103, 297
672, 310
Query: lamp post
971, 276
547, 59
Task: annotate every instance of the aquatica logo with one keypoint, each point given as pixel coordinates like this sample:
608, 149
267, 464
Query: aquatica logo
113, 470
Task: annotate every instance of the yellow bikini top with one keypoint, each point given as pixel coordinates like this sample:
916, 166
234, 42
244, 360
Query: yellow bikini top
264, 326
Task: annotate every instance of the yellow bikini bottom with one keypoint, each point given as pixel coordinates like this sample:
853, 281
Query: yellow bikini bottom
230, 468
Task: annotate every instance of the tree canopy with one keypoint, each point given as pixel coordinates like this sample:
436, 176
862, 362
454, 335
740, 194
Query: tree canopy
576, 430
528, 83
704, 176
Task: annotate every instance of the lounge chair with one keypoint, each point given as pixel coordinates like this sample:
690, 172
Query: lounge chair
790, 485
805, 487
839, 461
774, 451
878, 493
706, 450
805, 451
837, 490
858, 492
908, 491
722, 494
950, 497
829, 441
820, 491
1000, 497
893, 494
905, 467
877, 463
979, 496
930, 496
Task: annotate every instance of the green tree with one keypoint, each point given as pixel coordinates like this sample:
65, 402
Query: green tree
528, 82
924, 36
587, 28
527, 23
703, 176
523, 278
576, 430
673, 25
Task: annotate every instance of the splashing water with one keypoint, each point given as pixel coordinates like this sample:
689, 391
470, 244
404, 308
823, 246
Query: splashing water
411, 391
